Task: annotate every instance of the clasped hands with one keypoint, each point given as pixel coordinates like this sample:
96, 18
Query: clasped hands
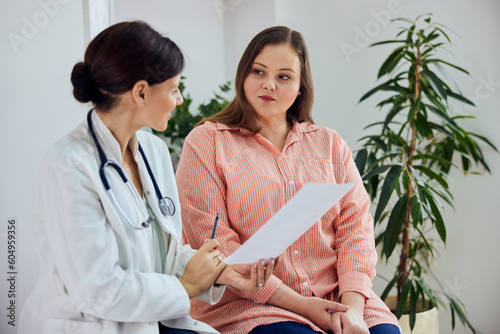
206, 268
334, 317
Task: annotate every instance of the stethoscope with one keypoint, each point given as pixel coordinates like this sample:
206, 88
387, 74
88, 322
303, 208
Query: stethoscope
165, 204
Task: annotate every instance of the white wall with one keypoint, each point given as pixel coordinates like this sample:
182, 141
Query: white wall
38, 108
197, 28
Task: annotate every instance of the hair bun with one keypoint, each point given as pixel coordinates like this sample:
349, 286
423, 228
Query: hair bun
83, 86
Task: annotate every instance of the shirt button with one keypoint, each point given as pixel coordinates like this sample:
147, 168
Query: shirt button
305, 284
195, 323
280, 158
295, 252
290, 183
148, 192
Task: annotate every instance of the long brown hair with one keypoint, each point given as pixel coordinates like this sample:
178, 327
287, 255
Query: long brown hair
239, 112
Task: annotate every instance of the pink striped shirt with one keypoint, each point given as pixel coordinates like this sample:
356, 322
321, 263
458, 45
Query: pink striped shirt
245, 178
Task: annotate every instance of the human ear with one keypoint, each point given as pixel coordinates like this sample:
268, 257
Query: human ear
140, 93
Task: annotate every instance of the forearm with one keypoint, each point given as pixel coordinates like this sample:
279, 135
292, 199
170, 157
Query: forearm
288, 299
315, 309
354, 300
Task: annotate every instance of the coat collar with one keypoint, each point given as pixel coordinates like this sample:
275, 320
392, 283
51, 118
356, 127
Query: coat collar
108, 142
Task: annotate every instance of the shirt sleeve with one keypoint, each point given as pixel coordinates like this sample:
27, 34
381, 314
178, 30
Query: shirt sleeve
202, 192
354, 237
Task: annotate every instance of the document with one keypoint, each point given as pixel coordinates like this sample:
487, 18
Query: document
293, 219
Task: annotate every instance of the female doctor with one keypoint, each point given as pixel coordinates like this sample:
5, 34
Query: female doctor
108, 225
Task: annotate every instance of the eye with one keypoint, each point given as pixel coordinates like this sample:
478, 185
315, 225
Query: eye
257, 71
285, 77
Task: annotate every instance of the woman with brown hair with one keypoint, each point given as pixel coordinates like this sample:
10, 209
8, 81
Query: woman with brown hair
246, 162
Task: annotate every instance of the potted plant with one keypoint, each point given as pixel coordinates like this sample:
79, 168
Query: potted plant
406, 166
183, 120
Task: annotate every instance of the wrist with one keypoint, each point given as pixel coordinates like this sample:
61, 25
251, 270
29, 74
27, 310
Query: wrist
190, 289
221, 279
354, 300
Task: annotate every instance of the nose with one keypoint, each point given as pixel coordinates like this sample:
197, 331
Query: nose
269, 85
180, 99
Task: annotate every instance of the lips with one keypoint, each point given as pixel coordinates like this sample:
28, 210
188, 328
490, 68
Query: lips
266, 98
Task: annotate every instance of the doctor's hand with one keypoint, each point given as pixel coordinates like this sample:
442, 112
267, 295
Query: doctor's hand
202, 269
248, 277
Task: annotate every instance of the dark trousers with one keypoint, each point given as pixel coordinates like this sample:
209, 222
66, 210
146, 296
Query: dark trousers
290, 327
166, 330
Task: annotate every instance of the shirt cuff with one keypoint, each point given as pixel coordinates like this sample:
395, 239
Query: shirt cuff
213, 295
266, 292
356, 282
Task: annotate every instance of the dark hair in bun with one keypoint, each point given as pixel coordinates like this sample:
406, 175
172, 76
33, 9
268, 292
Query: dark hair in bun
83, 88
120, 56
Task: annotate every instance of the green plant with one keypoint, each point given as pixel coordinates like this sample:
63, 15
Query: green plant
183, 121
406, 167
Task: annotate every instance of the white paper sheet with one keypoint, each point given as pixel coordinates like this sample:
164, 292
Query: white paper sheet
300, 213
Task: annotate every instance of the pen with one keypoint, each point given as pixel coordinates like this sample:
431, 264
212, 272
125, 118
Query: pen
215, 226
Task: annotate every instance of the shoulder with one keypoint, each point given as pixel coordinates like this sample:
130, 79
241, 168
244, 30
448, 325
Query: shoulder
75, 146
314, 130
203, 132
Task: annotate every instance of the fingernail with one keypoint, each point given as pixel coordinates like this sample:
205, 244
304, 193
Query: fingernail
262, 263
255, 266
272, 262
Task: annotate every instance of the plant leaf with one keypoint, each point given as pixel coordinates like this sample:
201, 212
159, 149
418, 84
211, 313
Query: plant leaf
395, 225
413, 306
391, 179
449, 64
376, 171
360, 160
436, 83
392, 61
388, 42
403, 297
460, 98
438, 219
389, 287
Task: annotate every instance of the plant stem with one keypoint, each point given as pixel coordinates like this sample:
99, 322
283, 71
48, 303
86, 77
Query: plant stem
403, 260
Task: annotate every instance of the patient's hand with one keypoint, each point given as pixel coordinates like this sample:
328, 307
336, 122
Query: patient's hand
247, 277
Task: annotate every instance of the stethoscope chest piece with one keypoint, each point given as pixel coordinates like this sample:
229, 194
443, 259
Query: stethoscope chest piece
166, 205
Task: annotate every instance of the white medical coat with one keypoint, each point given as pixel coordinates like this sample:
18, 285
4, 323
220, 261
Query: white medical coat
96, 272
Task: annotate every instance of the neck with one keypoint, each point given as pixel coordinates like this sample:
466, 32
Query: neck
275, 131
121, 125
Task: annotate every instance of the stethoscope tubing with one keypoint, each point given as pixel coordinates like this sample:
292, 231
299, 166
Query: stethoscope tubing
165, 204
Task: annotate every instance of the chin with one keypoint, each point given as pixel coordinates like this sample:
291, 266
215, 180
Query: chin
161, 128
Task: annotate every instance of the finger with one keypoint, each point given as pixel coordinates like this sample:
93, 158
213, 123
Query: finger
219, 259
276, 262
261, 273
337, 307
215, 253
209, 246
271, 265
336, 324
253, 277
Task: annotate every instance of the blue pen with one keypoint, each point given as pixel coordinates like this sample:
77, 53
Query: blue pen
215, 226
